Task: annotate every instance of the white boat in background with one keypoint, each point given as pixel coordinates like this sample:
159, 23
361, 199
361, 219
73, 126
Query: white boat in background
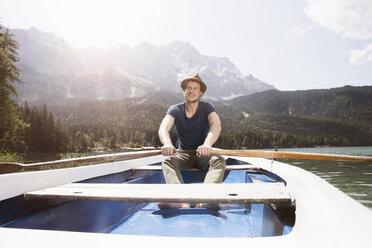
280, 206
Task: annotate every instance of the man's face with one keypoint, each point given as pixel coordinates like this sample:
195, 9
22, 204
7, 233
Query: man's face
192, 92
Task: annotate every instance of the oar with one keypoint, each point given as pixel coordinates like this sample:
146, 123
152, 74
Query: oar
14, 167
290, 155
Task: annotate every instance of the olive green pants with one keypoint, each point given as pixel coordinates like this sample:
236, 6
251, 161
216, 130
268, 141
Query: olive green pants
184, 159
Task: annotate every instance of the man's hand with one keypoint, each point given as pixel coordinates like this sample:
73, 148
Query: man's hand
203, 150
168, 150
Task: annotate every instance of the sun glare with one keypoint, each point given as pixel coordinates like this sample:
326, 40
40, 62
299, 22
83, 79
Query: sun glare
105, 23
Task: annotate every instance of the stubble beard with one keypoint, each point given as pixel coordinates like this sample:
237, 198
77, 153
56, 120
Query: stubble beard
193, 101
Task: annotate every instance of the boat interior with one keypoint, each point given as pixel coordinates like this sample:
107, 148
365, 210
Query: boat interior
246, 219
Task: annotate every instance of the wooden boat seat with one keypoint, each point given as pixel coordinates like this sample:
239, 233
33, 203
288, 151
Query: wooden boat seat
192, 193
229, 167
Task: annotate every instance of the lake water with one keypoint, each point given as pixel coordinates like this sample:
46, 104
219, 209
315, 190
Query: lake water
353, 178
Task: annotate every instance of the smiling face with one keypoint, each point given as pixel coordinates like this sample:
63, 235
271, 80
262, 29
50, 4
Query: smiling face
192, 92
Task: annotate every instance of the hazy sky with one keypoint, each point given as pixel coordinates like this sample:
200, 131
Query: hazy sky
292, 44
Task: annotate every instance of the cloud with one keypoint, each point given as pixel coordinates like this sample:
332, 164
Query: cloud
361, 56
348, 18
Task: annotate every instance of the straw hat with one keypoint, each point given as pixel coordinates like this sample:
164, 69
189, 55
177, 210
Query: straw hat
195, 78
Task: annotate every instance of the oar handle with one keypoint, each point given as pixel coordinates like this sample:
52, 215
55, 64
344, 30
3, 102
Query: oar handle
290, 155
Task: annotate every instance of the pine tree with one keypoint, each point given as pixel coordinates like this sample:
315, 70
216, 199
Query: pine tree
34, 137
12, 128
60, 138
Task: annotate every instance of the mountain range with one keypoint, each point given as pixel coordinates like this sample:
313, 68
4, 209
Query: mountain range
54, 72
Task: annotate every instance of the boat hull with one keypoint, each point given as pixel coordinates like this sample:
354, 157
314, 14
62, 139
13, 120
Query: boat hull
322, 216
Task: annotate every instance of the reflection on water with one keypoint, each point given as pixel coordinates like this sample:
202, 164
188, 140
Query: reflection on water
353, 178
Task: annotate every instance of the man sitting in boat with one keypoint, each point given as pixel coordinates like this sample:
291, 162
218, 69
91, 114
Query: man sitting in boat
198, 127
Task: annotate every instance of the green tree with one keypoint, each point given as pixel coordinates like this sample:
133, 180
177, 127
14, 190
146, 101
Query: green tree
34, 136
60, 137
12, 128
112, 142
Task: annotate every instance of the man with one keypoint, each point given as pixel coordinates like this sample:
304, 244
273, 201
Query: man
198, 127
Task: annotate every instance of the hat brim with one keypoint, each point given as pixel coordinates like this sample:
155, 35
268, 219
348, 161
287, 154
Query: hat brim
203, 86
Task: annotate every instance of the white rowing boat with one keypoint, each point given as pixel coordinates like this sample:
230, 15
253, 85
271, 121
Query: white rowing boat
324, 216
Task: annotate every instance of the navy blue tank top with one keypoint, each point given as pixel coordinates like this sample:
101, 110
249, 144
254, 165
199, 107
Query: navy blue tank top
191, 132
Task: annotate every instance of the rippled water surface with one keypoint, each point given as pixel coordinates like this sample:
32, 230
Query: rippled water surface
353, 178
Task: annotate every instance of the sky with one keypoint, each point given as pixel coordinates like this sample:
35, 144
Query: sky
291, 44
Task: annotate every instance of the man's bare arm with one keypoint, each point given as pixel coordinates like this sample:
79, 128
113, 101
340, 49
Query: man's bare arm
165, 126
213, 134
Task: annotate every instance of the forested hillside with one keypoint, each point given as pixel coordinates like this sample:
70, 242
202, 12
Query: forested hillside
335, 117
258, 121
346, 103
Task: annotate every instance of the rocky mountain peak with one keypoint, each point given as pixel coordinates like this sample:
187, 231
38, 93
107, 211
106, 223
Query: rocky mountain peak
53, 70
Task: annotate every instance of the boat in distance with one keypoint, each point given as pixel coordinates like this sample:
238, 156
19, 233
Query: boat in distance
263, 203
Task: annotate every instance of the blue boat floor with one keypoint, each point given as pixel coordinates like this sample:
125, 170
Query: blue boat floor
233, 220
